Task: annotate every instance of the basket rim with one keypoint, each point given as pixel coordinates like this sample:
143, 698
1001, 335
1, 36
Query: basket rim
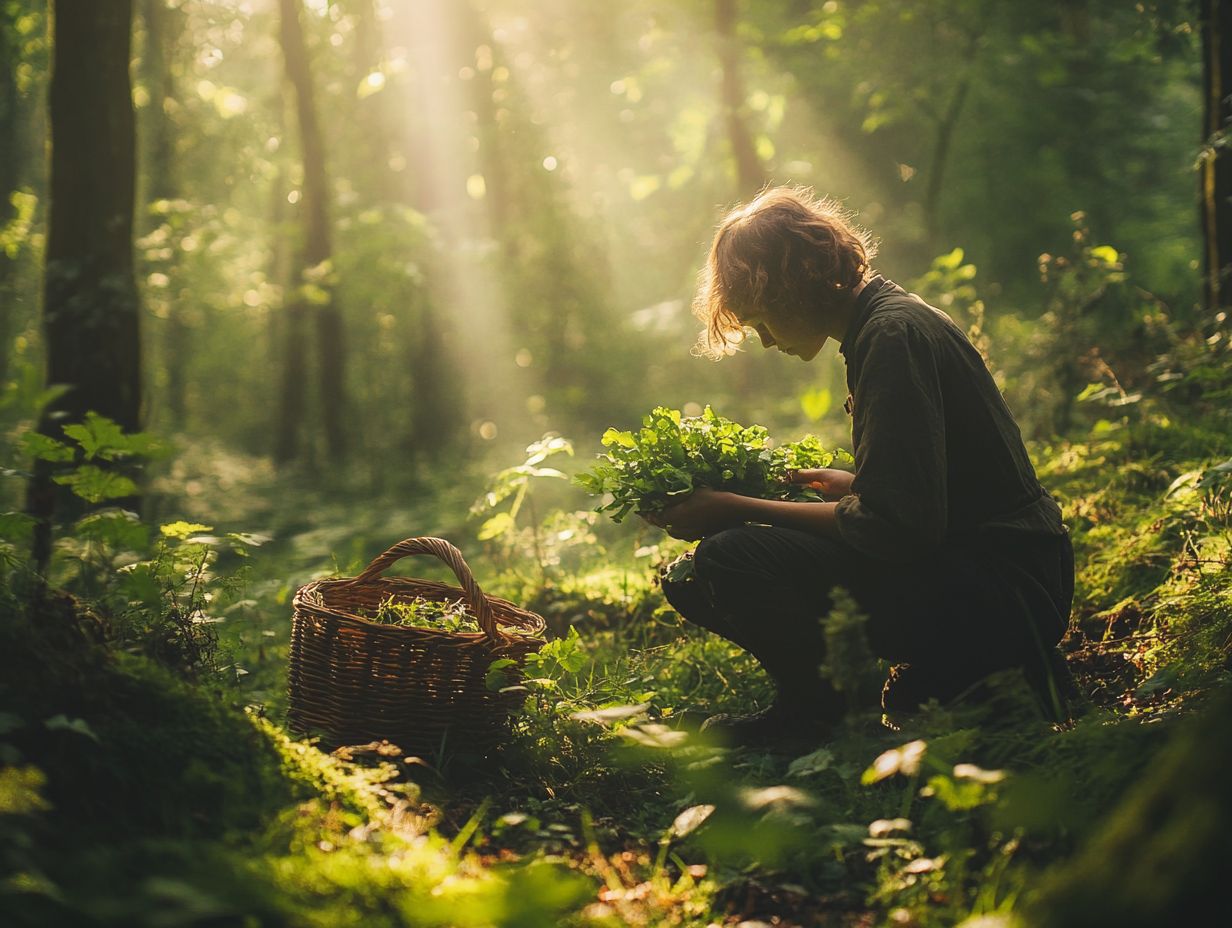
531, 631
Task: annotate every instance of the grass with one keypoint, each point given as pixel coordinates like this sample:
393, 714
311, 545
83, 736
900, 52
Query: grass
134, 797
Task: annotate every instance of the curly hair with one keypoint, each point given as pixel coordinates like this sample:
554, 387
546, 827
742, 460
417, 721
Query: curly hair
786, 251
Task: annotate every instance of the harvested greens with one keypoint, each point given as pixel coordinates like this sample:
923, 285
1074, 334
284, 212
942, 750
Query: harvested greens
672, 454
419, 612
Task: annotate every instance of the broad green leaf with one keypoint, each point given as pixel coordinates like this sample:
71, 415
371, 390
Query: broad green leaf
496, 526
118, 528
16, 527
93, 484
96, 435
100, 437
43, 448
498, 676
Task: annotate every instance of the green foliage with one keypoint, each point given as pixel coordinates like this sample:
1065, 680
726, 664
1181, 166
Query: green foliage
673, 454
850, 664
441, 615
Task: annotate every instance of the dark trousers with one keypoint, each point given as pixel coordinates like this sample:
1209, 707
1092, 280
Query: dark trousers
958, 613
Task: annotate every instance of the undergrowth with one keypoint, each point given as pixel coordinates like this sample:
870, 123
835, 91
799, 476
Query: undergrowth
136, 788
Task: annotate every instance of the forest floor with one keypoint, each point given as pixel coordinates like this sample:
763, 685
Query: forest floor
140, 795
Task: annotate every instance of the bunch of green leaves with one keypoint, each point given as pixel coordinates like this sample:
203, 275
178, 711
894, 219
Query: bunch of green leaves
441, 615
672, 455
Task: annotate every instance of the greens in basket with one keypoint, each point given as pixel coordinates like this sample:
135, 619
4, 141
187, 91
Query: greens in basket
672, 454
425, 613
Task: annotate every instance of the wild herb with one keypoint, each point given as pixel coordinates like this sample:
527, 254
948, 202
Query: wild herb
672, 454
444, 616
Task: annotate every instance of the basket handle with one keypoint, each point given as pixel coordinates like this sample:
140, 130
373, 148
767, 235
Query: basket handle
440, 548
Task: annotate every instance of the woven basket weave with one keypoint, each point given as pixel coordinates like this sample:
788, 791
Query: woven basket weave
353, 680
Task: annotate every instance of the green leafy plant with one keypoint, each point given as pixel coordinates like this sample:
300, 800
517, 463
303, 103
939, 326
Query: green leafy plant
673, 454
443, 616
510, 490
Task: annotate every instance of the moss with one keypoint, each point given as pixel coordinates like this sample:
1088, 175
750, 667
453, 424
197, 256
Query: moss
1159, 859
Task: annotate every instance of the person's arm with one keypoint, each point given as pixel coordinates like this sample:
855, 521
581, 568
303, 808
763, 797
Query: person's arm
705, 512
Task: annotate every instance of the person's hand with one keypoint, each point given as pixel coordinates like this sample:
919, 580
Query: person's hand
830, 482
703, 512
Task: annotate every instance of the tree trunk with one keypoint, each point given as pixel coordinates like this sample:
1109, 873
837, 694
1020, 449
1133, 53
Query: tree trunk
943, 139
90, 304
10, 171
161, 32
750, 175
15, 158
388, 183
317, 246
1216, 172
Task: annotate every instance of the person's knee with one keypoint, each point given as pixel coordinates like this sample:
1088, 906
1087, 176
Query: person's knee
719, 552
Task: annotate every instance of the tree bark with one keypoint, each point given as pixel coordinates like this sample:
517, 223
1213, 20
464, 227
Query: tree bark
18, 142
10, 173
90, 305
1216, 172
750, 174
317, 249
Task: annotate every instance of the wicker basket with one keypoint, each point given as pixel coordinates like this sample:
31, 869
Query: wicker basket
354, 681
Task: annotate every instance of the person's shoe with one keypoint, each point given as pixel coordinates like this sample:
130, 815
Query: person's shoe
777, 725
910, 686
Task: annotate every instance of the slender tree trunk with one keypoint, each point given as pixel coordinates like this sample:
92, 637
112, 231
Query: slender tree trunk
14, 156
1216, 171
388, 183
941, 154
10, 171
750, 174
161, 31
90, 305
317, 245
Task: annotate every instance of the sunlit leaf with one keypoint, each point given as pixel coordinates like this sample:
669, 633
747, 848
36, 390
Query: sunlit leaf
776, 797
905, 760
496, 526
611, 713
654, 735
93, 484
182, 529
76, 726
690, 819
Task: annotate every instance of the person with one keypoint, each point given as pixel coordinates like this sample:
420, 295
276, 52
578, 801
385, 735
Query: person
942, 535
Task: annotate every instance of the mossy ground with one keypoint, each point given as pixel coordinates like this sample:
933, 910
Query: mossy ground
132, 796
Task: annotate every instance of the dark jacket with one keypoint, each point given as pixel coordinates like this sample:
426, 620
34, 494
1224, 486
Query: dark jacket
938, 456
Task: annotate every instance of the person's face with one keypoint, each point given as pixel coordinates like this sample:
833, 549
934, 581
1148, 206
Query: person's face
799, 334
